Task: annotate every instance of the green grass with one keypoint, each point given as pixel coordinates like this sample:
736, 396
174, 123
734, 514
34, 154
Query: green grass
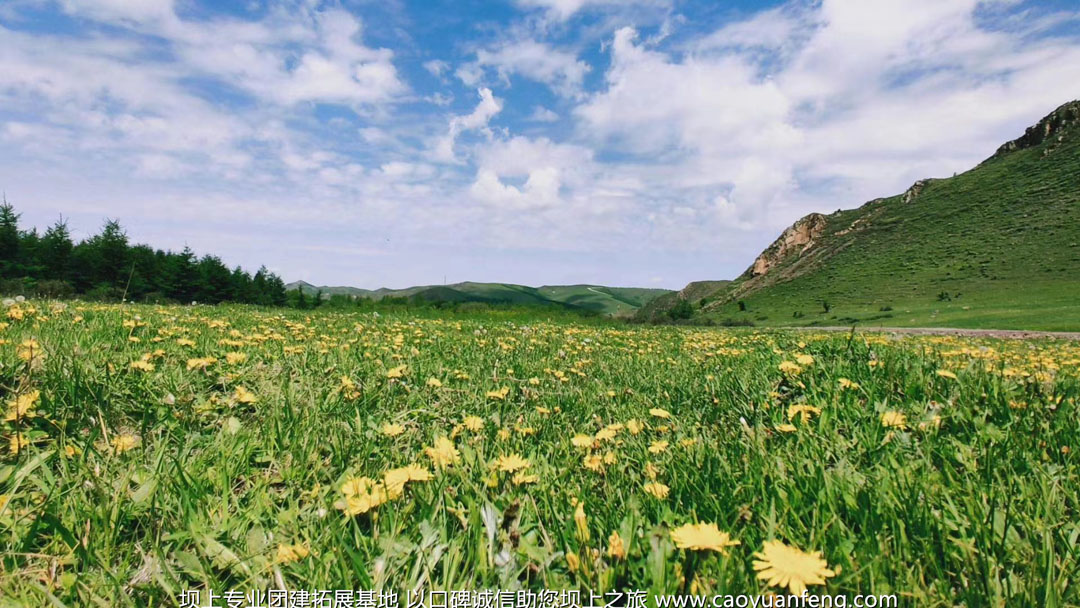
979, 511
1041, 306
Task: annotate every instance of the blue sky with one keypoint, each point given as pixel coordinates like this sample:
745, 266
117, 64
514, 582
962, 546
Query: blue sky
393, 143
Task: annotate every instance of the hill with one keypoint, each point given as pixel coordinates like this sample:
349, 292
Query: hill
615, 301
997, 246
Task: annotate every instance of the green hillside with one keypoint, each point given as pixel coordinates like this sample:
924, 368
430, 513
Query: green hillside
997, 246
615, 301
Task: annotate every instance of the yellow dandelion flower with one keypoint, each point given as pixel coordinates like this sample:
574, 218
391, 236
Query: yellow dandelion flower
394, 480
894, 419
511, 463
782, 566
396, 372
581, 441
392, 429
635, 426
418, 473
786, 428
605, 435
581, 523
142, 365
474, 423
616, 547
124, 442
702, 537
651, 471
200, 363
30, 350
360, 495
804, 412
356, 486
790, 367
434, 382
944, 373
656, 490
443, 454
572, 561
804, 359
291, 553
22, 406
594, 462
17, 443
522, 478
243, 395
660, 413
499, 394
658, 446
848, 384
235, 358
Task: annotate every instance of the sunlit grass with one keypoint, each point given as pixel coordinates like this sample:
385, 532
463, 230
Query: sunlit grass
184, 447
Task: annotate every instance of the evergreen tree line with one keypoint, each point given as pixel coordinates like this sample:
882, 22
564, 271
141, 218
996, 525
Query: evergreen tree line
107, 267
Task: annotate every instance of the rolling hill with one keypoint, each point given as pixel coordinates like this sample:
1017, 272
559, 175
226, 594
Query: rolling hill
997, 246
615, 301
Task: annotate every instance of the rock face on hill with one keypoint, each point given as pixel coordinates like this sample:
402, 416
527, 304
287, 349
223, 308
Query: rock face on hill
1054, 128
794, 241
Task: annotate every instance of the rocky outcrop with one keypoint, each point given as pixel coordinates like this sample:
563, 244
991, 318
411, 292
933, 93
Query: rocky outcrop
1051, 129
914, 191
794, 241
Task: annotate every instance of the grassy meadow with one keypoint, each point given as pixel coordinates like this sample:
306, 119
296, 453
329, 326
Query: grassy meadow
147, 450
1039, 306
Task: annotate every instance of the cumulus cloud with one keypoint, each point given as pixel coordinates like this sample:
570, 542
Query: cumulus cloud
560, 70
545, 165
478, 119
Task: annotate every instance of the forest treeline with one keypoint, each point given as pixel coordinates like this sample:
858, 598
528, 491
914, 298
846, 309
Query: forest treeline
106, 266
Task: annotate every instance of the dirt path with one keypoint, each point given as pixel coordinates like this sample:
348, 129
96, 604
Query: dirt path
1013, 334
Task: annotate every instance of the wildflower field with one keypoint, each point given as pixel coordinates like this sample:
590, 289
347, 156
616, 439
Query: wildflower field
148, 450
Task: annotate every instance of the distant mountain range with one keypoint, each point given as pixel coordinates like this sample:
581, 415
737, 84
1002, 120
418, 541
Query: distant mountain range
997, 246
614, 301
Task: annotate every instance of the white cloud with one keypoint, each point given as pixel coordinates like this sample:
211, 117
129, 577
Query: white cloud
437, 67
542, 114
562, 10
560, 70
122, 11
260, 58
485, 110
541, 189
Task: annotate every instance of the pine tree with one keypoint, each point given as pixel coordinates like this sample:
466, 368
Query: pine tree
9, 239
54, 253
